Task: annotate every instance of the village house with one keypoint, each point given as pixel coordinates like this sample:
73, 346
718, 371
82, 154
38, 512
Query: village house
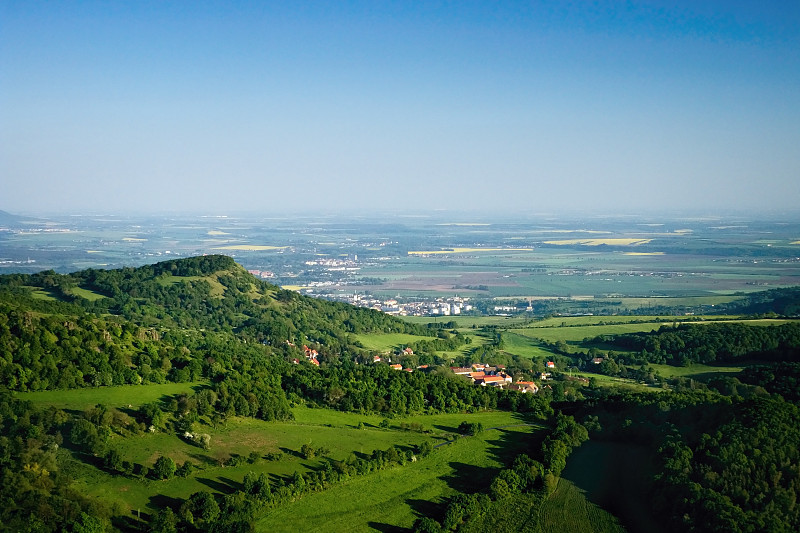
396, 367
524, 387
476, 375
551, 364
461, 371
492, 381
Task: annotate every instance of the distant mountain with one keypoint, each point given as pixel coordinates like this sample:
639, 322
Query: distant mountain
8, 219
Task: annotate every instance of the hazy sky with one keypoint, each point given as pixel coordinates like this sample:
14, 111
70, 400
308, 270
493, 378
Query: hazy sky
540, 105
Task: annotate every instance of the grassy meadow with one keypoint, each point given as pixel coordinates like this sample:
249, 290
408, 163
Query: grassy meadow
397, 495
395, 498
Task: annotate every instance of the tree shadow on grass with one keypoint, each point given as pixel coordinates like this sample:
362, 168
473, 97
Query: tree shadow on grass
130, 523
293, 453
388, 528
235, 485
217, 485
469, 478
426, 508
160, 501
508, 444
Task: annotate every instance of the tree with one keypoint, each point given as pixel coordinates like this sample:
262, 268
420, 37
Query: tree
185, 470
164, 468
307, 451
164, 521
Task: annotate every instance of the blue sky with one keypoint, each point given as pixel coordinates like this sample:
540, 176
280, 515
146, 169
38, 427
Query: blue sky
478, 106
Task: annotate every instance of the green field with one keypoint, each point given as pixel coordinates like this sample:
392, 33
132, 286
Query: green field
695, 370
119, 396
336, 432
524, 346
394, 499
575, 334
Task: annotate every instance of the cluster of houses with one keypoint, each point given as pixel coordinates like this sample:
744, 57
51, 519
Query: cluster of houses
479, 373
494, 376
310, 354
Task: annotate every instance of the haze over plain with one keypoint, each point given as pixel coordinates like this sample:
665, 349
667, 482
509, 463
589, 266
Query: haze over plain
477, 106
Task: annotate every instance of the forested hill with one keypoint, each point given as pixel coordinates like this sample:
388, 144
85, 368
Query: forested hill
98, 327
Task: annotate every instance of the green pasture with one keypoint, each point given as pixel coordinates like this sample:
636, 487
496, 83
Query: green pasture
119, 396
395, 498
524, 346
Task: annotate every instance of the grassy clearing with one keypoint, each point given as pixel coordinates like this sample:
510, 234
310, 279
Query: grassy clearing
618, 383
696, 370
395, 498
120, 396
86, 294
42, 294
217, 289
